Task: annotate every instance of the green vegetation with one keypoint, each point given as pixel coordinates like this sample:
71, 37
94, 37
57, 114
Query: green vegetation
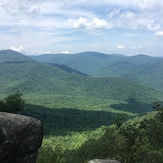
10, 56
141, 68
86, 62
76, 135
13, 103
36, 78
137, 140
86, 117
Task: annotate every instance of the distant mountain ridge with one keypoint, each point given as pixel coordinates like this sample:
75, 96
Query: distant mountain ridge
86, 62
13, 57
141, 68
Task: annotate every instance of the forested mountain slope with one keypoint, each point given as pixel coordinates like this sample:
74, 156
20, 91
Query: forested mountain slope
39, 78
12, 56
75, 109
140, 68
86, 62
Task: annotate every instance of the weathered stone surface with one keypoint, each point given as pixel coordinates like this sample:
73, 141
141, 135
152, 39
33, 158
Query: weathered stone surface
20, 138
103, 161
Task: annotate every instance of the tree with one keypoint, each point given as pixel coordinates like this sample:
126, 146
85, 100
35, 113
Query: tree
13, 103
159, 108
2, 106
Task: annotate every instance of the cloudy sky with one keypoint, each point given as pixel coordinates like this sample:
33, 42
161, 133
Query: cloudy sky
70, 26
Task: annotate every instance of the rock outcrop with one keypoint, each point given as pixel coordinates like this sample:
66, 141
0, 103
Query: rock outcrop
103, 161
20, 138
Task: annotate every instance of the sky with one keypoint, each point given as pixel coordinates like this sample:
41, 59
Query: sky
127, 27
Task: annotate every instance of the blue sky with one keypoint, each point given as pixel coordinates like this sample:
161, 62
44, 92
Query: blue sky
70, 26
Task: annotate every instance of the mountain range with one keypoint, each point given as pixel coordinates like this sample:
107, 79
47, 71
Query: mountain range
22, 73
141, 68
74, 95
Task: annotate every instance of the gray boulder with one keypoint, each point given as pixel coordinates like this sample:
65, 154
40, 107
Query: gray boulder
20, 138
103, 161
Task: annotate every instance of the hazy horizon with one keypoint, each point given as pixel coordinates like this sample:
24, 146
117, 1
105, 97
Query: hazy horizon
30, 55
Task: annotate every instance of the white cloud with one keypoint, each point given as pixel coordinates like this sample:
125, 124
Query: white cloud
127, 15
159, 33
65, 9
144, 3
114, 13
96, 23
150, 5
120, 47
147, 23
48, 25
100, 3
80, 23
17, 8
100, 23
66, 52
18, 49
144, 14
142, 21
35, 9
153, 27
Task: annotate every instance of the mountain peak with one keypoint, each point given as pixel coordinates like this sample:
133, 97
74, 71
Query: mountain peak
12, 56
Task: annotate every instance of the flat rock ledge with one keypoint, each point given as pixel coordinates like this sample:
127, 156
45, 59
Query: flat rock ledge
103, 161
20, 138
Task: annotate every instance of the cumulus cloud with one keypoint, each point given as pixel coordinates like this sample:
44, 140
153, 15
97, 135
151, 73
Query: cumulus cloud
96, 23
147, 23
18, 49
100, 23
120, 47
151, 10
80, 23
144, 14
